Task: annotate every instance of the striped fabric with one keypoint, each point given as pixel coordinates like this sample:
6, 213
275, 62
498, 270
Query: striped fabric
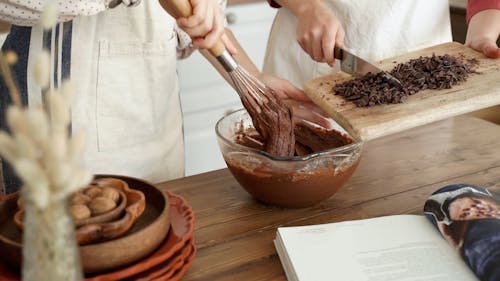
58, 42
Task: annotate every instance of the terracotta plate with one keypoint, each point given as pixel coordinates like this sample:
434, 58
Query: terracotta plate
177, 275
181, 231
167, 268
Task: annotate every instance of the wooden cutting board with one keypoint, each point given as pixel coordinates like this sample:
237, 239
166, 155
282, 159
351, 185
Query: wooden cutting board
366, 123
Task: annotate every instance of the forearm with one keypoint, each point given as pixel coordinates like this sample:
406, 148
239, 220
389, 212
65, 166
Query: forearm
298, 7
26, 12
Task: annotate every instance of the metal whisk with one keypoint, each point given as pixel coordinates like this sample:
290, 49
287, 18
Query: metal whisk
271, 117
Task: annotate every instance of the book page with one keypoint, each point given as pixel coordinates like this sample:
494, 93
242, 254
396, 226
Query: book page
403, 248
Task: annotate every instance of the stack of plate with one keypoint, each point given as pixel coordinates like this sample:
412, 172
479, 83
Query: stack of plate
168, 262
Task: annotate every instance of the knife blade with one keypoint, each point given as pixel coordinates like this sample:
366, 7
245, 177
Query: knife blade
357, 66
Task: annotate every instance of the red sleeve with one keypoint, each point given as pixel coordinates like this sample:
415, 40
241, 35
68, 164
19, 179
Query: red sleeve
274, 4
476, 6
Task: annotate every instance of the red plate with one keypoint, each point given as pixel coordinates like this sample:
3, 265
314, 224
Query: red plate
167, 269
180, 272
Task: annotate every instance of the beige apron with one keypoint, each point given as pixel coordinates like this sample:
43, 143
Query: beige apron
123, 66
374, 30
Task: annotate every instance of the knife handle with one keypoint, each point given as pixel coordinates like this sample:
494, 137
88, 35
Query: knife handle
338, 53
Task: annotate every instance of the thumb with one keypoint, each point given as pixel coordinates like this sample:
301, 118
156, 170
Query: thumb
297, 94
491, 50
485, 46
293, 92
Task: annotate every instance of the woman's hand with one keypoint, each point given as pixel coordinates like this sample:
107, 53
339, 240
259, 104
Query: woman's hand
206, 25
303, 108
318, 31
483, 32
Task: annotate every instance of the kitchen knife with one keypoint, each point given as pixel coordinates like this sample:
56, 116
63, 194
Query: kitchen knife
356, 66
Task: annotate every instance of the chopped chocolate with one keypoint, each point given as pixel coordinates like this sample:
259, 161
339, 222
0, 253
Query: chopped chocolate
436, 72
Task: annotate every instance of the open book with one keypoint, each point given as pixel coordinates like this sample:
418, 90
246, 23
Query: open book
401, 247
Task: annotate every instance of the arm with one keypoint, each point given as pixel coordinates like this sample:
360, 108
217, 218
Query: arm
303, 108
318, 31
283, 88
484, 26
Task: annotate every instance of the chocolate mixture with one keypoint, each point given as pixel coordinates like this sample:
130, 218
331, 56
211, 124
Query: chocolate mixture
272, 119
436, 72
289, 184
308, 139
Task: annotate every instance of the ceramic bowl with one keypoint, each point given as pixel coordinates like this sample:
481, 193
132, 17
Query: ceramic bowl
299, 181
144, 237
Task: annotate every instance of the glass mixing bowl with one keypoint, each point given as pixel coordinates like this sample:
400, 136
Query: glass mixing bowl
298, 181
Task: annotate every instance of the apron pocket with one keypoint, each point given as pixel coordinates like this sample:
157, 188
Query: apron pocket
130, 76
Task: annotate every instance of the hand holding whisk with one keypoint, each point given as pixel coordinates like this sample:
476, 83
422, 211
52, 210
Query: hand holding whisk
271, 117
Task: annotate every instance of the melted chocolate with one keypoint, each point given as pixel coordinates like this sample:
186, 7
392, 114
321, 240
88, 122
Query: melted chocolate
273, 120
308, 139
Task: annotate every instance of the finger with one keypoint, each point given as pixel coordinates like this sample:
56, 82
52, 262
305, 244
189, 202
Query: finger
316, 109
316, 46
491, 51
339, 40
339, 37
289, 91
328, 44
199, 13
310, 112
305, 43
324, 123
200, 30
213, 36
304, 115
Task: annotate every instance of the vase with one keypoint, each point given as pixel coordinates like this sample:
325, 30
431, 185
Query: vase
50, 250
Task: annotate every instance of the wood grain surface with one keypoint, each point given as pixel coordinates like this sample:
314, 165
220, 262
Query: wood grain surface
479, 91
234, 233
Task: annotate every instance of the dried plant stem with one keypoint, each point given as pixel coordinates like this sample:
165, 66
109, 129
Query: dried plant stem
9, 81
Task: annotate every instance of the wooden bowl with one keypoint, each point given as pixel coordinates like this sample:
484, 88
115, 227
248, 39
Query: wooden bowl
110, 215
92, 232
113, 214
111, 224
145, 235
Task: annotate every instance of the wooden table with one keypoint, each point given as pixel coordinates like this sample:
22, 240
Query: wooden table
234, 233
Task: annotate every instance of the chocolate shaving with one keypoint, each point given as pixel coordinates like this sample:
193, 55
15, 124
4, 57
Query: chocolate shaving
436, 72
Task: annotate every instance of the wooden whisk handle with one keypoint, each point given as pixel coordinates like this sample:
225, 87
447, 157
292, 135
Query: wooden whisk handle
182, 8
